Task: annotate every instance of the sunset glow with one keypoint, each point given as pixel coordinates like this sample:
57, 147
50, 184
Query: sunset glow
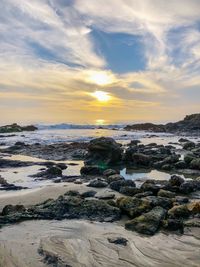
101, 96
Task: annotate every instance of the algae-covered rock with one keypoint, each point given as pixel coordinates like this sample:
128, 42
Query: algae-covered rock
148, 223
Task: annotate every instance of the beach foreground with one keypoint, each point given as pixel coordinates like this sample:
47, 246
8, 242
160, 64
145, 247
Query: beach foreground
82, 243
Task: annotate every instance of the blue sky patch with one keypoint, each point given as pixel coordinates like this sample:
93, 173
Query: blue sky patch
123, 52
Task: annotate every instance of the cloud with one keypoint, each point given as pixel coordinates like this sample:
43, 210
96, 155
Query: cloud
48, 54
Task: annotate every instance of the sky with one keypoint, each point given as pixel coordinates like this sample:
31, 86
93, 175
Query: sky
108, 61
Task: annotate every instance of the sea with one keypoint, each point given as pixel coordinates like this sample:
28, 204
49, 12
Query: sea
52, 134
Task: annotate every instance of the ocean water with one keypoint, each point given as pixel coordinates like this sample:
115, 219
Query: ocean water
49, 136
22, 176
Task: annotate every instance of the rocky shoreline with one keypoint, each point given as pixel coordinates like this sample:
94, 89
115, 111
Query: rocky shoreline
101, 194
189, 125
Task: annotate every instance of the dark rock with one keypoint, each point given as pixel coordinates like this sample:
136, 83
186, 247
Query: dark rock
150, 127
11, 209
189, 145
90, 193
110, 172
141, 159
114, 177
165, 193
103, 151
181, 199
133, 206
163, 202
180, 164
54, 171
195, 164
116, 185
150, 186
183, 140
118, 240
180, 211
187, 187
144, 194
16, 128
98, 183
91, 170
105, 195
129, 190
148, 223
173, 225
62, 166
176, 180
72, 193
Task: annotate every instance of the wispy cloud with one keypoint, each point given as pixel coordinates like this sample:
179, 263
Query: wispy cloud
48, 53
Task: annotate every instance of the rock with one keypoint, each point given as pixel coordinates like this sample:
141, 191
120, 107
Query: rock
188, 145
62, 166
103, 151
91, 170
165, 193
181, 200
150, 186
195, 164
180, 164
64, 207
90, 193
110, 172
163, 202
20, 144
16, 128
98, 183
173, 225
150, 127
187, 187
148, 223
140, 159
105, 195
116, 185
194, 222
129, 190
133, 206
180, 211
54, 171
12, 209
118, 240
114, 177
134, 142
194, 207
72, 193
144, 194
188, 158
176, 180
183, 140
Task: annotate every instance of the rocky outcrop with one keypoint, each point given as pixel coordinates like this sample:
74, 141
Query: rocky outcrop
150, 127
148, 223
12, 128
190, 124
103, 151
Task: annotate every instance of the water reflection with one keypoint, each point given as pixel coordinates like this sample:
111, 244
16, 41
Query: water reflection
144, 174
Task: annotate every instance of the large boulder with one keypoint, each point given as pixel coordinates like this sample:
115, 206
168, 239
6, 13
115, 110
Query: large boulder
116, 185
133, 206
103, 151
148, 223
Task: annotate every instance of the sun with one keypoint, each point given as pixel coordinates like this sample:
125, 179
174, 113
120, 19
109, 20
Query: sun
100, 78
101, 96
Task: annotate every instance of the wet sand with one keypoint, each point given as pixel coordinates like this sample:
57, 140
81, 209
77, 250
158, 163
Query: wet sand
34, 196
85, 244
